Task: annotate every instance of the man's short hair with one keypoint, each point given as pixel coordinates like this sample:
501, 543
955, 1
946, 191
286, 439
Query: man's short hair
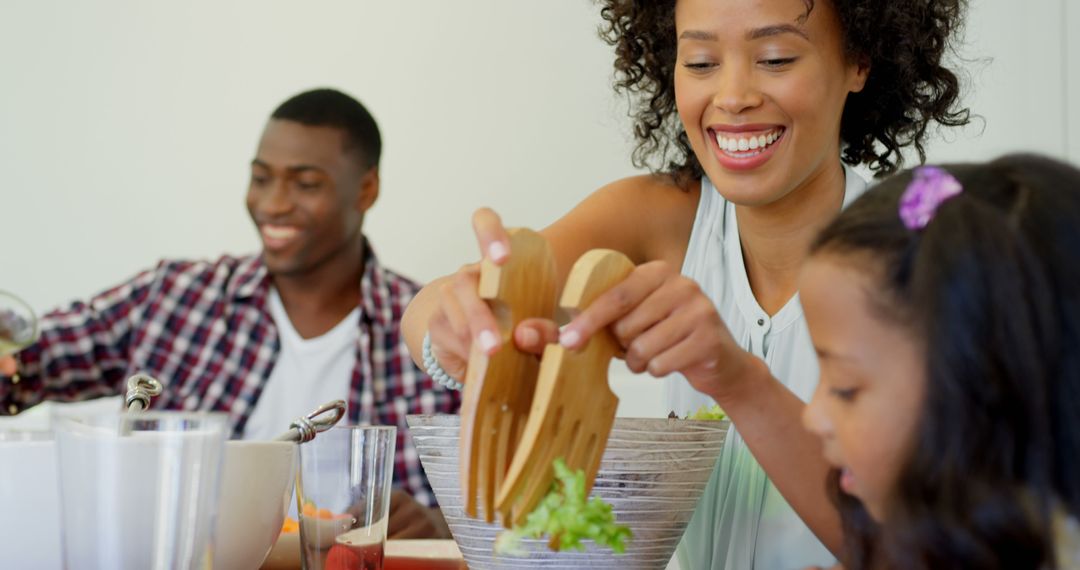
332, 108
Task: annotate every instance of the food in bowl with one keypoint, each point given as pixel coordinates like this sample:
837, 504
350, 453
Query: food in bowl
290, 525
714, 413
652, 473
566, 517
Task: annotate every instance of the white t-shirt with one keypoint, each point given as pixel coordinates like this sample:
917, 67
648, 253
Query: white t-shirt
307, 374
742, 521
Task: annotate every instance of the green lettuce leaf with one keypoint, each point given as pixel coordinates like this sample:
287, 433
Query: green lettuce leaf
569, 516
708, 413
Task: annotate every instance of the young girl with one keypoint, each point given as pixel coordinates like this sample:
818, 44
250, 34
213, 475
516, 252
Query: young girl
748, 111
945, 310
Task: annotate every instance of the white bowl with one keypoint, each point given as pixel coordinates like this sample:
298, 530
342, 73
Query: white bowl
30, 494
653, 473
256, 487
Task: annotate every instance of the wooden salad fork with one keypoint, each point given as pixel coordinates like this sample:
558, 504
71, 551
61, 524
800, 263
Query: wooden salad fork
499, 389
574, 407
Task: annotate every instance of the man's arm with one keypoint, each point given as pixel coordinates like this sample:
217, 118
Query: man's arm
82, 352
410, 519
413, 511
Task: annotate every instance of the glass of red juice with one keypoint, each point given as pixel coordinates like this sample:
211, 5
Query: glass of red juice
343, 497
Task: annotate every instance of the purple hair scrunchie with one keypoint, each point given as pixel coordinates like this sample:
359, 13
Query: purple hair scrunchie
930, 187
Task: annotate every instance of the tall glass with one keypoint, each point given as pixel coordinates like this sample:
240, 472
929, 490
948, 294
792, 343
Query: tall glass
343, 495
139, 491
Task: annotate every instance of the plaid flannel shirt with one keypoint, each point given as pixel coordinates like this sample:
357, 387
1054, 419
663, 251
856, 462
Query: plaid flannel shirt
203, 328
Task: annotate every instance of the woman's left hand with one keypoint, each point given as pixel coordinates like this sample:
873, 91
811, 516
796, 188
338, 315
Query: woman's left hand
665, 324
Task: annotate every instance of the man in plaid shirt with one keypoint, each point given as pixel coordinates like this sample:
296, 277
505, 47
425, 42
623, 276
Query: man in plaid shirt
265, 338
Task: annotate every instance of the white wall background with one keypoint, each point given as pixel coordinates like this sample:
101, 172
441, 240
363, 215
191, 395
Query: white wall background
126, 127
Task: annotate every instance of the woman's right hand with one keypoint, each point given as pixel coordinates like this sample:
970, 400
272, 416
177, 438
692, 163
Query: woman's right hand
461, 318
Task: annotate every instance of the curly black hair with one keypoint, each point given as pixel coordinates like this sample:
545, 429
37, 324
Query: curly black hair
989, 286
904, 43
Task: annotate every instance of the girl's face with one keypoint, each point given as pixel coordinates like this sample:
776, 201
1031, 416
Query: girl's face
760, 89
872, 383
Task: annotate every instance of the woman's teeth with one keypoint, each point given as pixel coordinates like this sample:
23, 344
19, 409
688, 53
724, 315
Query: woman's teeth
743, 146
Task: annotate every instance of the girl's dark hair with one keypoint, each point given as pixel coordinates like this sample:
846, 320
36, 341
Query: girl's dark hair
903, 41
992, 287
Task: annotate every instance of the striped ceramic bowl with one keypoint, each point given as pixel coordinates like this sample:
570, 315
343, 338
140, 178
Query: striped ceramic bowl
652, 474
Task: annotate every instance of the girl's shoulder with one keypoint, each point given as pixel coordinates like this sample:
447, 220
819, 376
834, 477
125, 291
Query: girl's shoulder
647, 217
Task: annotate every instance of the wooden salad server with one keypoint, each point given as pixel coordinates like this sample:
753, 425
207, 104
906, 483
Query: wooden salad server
574, 408
498, 391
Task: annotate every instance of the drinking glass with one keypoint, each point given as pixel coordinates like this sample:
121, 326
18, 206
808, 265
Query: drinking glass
139, 491
343, 496
18, 324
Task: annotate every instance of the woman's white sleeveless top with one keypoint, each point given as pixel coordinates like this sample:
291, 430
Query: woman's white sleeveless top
742, 521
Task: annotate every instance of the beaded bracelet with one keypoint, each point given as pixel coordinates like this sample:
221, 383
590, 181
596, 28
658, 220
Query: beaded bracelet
435, 371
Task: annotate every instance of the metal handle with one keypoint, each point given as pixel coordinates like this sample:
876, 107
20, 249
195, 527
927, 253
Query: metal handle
305, 428
141, 387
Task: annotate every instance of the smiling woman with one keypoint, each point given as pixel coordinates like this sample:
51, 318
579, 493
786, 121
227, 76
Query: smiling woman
776, 72
748, 112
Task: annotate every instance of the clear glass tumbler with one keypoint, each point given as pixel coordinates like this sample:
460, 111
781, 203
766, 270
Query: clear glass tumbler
343, 496
139, 491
